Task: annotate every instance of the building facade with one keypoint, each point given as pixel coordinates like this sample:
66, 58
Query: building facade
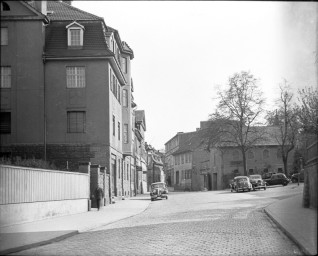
66, 90
193, 168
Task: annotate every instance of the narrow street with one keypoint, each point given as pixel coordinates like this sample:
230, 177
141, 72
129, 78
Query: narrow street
189, 223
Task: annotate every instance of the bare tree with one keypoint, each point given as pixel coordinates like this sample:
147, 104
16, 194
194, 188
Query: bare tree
286, 119
234, 123
307, 110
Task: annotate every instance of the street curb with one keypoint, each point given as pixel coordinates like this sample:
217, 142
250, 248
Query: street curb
103, 225
29, 246
288, 234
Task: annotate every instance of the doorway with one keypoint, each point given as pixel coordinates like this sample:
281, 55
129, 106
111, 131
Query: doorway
209, 182
215, 181
113, 175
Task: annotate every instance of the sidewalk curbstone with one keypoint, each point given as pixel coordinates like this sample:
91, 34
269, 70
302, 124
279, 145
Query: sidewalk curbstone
39, 243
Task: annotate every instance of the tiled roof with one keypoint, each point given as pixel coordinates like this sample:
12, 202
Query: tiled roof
64, 11
193, 141
94, 43
189, 141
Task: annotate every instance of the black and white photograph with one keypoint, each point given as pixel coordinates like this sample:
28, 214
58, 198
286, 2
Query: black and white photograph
145, 128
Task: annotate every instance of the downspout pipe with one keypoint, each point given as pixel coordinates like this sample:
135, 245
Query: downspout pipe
44, 111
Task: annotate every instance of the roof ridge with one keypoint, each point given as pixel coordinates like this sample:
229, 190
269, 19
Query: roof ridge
77, 9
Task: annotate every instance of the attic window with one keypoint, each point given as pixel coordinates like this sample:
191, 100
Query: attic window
4, 6
75, 34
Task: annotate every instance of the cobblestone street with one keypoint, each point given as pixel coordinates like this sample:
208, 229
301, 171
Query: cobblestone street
190, 223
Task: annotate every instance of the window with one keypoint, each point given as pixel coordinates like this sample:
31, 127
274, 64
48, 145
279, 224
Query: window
114, 126
75, 33
4, 6
5, 122
265, 154
251, 171
76, 121
5, 77
125, 98
182, 159
75, 37
114, 84
118, 91
75, 77
280, 170
118, 55
111, 80
250, 154
118, 130
279, 153
125, 133
177, 177
187, 174
4, 36
235, 155
119, 169
124, 65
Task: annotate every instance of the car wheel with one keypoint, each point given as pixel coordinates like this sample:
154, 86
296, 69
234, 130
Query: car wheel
166, 197
152, 199
249, 190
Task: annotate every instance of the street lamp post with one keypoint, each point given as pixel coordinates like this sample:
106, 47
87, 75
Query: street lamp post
153, 171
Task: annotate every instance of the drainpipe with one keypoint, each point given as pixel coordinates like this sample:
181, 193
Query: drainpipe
44, 110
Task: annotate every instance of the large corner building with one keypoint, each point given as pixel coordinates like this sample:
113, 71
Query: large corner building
66, 90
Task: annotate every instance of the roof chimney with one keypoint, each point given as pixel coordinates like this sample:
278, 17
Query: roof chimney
67, 2
41, 6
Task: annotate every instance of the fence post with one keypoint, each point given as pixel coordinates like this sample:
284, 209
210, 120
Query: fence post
84, 167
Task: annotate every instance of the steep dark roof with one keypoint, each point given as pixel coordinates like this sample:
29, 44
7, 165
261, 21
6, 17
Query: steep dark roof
94, 43
189, 141
63, 11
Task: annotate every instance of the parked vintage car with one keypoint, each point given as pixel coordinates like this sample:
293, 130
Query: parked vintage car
277, 179
267, 175
241, 183
257, 182
158, 190
296, 176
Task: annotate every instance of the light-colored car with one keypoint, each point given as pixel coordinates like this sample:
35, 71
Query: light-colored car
158, 190
241, 183
257, 181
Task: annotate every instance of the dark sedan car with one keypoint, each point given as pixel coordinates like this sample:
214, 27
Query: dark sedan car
158, 190
277, 179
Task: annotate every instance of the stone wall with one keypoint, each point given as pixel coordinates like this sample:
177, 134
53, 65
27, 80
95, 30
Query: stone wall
310, 181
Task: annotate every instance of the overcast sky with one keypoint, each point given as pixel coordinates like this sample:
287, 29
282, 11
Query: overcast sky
184, 51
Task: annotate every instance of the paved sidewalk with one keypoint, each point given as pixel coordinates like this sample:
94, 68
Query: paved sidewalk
297, 222
24, 236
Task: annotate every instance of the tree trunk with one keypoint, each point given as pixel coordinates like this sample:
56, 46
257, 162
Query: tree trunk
244, 163
285, 164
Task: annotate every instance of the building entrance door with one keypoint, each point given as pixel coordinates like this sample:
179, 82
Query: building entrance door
209, 182
113, 174
215, 181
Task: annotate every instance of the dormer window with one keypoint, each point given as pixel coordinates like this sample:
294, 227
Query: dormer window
75, 35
